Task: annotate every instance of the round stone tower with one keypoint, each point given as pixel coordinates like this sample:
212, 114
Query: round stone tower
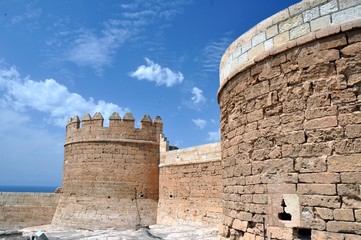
290, 100
110, 177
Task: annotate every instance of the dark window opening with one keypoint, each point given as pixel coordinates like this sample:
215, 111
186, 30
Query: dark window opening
302, 233
284, 215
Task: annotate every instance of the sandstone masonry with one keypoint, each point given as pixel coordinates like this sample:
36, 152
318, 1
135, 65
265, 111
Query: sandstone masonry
110, 177
290, 123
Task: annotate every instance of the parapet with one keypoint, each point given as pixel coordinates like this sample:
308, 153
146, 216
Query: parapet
303, 22
120, 129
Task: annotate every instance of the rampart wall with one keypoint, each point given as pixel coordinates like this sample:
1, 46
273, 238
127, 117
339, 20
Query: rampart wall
20, 210
110, 177
290, 100
190, 186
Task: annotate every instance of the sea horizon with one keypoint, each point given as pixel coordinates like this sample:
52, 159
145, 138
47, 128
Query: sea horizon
30, 189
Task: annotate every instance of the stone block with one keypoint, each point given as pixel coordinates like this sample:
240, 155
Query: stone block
272, 166
346, 14
281, 38
343, 215
246, 46
315, 150
271, 31
351, 177
320, 201
354, 36
255, 51
240, 225
259, 38
311, 14
329, 7
358, 215
295, 137
353, 131
349, 118
325, 177
281, 188
325, 122
324, 213
322, 235
345, 227
319, 112
335, 41
340, 163
255, 115
351, 202
348, 3
290, 23
353, 79
351, 50
257, 90
348, 189
300, 31
268, 44
320, 23
318, 100
280, 233
318, 189
348, 146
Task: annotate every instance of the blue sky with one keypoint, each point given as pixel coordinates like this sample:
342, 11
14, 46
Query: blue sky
64, 58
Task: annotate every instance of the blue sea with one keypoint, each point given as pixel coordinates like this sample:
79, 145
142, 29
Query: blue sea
38, 189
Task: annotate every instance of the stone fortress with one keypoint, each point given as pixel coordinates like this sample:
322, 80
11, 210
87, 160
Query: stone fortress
288, 165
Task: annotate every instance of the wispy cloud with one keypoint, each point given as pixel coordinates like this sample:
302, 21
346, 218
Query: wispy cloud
212, 53
156, 73
200, 123
27, 16
198, 97
214, 136
49, 97
97, 50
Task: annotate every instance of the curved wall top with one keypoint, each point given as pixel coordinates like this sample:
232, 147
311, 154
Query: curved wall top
296, 25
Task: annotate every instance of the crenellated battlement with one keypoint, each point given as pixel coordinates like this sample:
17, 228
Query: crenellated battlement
93, 129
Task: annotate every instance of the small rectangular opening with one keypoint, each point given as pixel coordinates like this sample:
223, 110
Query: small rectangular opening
302, 233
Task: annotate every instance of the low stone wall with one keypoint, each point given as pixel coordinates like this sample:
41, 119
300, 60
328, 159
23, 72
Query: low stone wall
19, 210
190, 190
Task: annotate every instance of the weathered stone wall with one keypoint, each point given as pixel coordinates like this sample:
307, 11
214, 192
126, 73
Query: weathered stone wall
291, 127
20, 210
190, 186
110, 177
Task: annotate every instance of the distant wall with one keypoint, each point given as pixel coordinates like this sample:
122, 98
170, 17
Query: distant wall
19, 210
190, 190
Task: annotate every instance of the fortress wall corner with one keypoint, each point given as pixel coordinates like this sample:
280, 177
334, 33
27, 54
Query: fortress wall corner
190, 186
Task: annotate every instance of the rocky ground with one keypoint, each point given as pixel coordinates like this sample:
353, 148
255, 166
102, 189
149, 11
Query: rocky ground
151, 233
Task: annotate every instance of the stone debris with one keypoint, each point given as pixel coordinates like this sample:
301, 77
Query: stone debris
153, 232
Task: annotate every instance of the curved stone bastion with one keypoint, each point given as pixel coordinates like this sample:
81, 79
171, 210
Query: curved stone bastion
110, 177
290, 100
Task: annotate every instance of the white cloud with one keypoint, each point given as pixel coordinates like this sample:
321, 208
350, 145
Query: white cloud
156, 73
94, 51
50, 97
198, 97
214, 136
200, 123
